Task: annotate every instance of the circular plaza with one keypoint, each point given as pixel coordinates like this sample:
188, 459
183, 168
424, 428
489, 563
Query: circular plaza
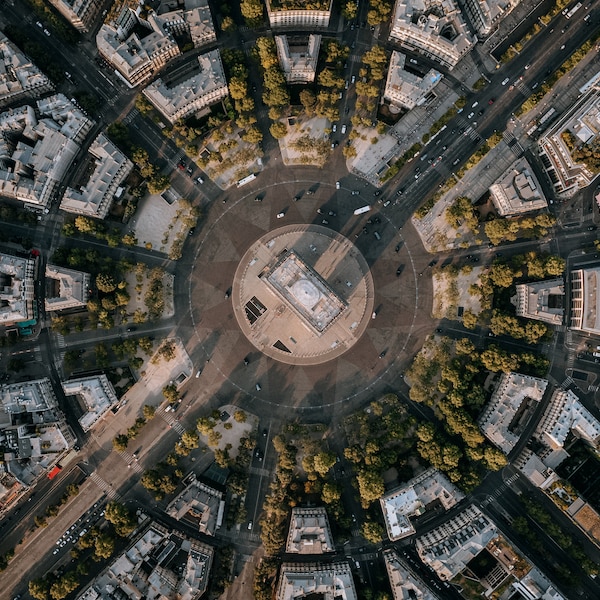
303, 294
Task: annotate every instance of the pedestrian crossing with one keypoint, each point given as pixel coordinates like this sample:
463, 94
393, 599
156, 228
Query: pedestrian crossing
131, 115
501, 489
593, 388
105, 487
131, 461
512, 143
60, 340
567, 382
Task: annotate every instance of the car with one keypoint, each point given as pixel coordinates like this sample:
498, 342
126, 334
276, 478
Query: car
398, 247
491, 100
470, 115
129, 329
258, 387
480, 112
324, 222
382, 354
353, 79
399, 271
355, 192
592, 228
377, 193
334, 128
413, 61
257, 199
505, 81
39, 24
377, 235
562, 47
249, 525
198, 373
190, 170
334, 144
331, 213
192, 231
47, 32
399, 193
246, 361
343, 129
474, 104
297, 197
337, 185
386, 203
280, 215
346, 84
265, 432
55, 551
181, 166
199, 180
527, 66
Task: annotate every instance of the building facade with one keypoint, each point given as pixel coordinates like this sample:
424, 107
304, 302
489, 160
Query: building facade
293, 14
435, 28
80, 13
298, 57
192, 93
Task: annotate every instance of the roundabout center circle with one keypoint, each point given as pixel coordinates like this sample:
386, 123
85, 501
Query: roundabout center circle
303, 294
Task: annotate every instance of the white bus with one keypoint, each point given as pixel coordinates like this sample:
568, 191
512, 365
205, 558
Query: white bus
569, 12
363, 209
246, 180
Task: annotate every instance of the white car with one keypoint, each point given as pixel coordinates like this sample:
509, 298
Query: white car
470, 115
337, 185
413, 61
280, 215
505, 81
334, 128
343, 129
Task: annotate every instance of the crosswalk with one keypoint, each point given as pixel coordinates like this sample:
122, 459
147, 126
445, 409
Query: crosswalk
60, 340
171, 421
131, 115
501, 489
105, 487
131, 461
593, 388
567, 382
512, 143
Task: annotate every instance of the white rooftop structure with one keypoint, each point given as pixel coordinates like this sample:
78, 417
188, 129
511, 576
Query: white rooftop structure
19, 77
96, 394
566, 413
331, 581
198, 505
95, 197
510, 407
35, 153
585, 300
305, 291
17, 289
486, 14
535, 586
405, 89
582, 122
536, 469
413, 498
435, 28
295, 14
65, 288
517, 191
405, 584
448, 548
160, 564
185, 96
138, 56
309, 532
542, 300
33, 430
298, 57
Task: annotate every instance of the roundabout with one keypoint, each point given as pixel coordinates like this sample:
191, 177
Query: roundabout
292, 314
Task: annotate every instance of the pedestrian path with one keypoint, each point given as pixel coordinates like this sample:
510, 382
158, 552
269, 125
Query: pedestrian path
131, 461
105, 487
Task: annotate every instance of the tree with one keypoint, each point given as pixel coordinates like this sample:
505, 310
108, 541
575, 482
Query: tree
240, 416
370, 486
104, 546
323, 462
120, 442
148, 411
330, 493
372, 532
105, 282
252, 10
190, 439
170, 393
308, 101
39, 588
278, 130
350, 10
158, 184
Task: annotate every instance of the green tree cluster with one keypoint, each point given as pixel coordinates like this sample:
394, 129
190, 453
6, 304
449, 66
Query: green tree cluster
462, 212
508, 230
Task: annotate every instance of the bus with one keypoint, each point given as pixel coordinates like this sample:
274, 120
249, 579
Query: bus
569, 12
246, 180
